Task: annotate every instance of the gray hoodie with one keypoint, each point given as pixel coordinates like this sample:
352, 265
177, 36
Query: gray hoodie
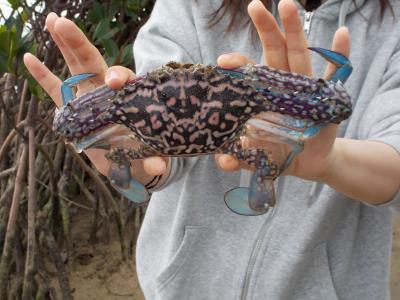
316, 243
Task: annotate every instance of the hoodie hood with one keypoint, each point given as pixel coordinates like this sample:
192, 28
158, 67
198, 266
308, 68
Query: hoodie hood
332, 9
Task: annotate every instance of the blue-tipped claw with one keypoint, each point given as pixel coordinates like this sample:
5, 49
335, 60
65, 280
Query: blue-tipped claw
237, 201
66, 87
121, 180
253, 201
313, 130
135, 192
341, 62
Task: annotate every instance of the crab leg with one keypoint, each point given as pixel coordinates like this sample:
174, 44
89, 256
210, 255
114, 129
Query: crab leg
260, 196
120, 172
122, 181
343, 67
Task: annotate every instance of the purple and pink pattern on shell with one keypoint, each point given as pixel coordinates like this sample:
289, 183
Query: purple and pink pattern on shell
192, 109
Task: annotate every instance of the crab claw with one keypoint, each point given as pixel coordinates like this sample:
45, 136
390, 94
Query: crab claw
254, 200
121, 180
66, 86
343, 67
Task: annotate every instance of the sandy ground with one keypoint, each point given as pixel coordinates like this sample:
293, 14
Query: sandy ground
99, 273
104, 276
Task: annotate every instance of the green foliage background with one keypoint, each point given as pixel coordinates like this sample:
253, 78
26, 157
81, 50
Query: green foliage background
110, 25
42, 181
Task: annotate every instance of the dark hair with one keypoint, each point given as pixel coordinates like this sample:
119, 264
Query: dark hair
238, 7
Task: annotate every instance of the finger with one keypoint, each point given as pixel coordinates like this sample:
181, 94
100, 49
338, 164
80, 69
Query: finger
154, 165
99, 160
272, 39
233, 60
73, 65
227, 163
116, 76
298, 55
87, 58
341, 44
48, 81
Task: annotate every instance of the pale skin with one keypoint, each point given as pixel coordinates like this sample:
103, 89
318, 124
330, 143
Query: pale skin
367, 171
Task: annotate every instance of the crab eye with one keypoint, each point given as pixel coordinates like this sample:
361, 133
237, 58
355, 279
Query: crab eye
67, 132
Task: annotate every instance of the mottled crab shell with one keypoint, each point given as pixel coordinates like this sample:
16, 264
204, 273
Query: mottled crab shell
190, 109
186, 109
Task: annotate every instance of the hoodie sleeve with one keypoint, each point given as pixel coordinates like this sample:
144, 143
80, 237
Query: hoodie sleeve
382, 117
169, 34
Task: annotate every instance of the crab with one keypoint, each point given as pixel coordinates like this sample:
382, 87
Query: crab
184, 110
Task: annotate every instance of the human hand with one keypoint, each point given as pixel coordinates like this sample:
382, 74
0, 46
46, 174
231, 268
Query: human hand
83, 57
288, 51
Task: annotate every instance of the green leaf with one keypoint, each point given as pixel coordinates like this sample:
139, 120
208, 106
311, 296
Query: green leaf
81, 24
111, 33
24, 15
11, 57
132, 14
97, 13
35, 88
127, 55
15, 22
101, 29
10, 47
134, 5
3, 63
15, 3
110, 47
110, 61
6, 39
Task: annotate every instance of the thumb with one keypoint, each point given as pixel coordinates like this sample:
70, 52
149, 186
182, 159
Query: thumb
233, 60
116, 76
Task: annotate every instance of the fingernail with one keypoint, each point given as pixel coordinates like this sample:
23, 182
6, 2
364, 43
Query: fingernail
112, 75
228, 55
52, 14
226, 58
257, 1
28, 56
